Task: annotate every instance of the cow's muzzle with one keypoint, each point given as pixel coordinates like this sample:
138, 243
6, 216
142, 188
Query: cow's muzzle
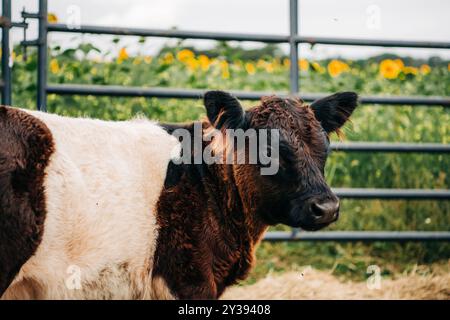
314, 213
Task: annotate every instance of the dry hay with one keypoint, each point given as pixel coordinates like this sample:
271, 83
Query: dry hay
315, 284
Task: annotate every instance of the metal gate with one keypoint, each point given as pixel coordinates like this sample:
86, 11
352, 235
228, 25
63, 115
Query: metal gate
293, 39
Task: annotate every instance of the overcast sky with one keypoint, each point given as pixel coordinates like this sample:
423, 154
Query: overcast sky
378, 19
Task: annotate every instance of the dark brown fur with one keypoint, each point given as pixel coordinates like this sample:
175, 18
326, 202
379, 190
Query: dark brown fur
26, 145
205, 243
211, 217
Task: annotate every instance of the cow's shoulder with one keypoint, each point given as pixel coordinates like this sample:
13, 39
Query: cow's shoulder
26, 145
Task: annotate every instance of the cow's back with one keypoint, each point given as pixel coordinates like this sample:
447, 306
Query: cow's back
101, 183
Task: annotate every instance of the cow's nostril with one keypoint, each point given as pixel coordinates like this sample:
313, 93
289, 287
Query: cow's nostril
326, 210
316, 210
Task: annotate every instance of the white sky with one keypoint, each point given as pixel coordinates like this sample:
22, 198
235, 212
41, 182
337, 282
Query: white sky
378, 19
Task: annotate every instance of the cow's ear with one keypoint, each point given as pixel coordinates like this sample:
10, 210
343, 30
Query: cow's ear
224, 111
333, 111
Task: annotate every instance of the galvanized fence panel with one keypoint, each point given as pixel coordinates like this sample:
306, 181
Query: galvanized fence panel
293, 39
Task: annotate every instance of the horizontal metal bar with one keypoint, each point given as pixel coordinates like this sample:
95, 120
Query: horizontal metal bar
390, 147
19, 25
406, 100
373, 42
30, 15
7, 23
29, 43
411, 194
366, 236
169, 33
185, 34
120, 91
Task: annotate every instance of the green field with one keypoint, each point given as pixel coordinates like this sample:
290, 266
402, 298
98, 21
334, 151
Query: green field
267, 69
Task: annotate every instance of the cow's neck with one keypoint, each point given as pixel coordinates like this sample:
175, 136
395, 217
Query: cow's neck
207, 234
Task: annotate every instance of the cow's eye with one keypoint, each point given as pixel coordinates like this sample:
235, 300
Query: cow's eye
287, 161
286, 153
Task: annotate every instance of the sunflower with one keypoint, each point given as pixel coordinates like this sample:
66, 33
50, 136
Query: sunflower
185, 55
204, 62
250, 68
317, 67
425, 69
52, 18
192, 64
390, 69
123, 55
410, 70
270, 67
261, 63
303, 64
336, 67
168, 58
225, 69
54, 66
400, 63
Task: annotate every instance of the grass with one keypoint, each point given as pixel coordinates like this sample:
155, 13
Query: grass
421, 282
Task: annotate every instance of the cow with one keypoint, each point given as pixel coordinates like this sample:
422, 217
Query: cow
93, 209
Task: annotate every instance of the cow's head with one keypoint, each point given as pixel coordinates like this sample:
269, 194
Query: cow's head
297, 195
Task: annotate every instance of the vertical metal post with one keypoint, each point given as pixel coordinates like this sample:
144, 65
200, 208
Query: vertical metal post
293, 46
293, 24
6, 66
42, 57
